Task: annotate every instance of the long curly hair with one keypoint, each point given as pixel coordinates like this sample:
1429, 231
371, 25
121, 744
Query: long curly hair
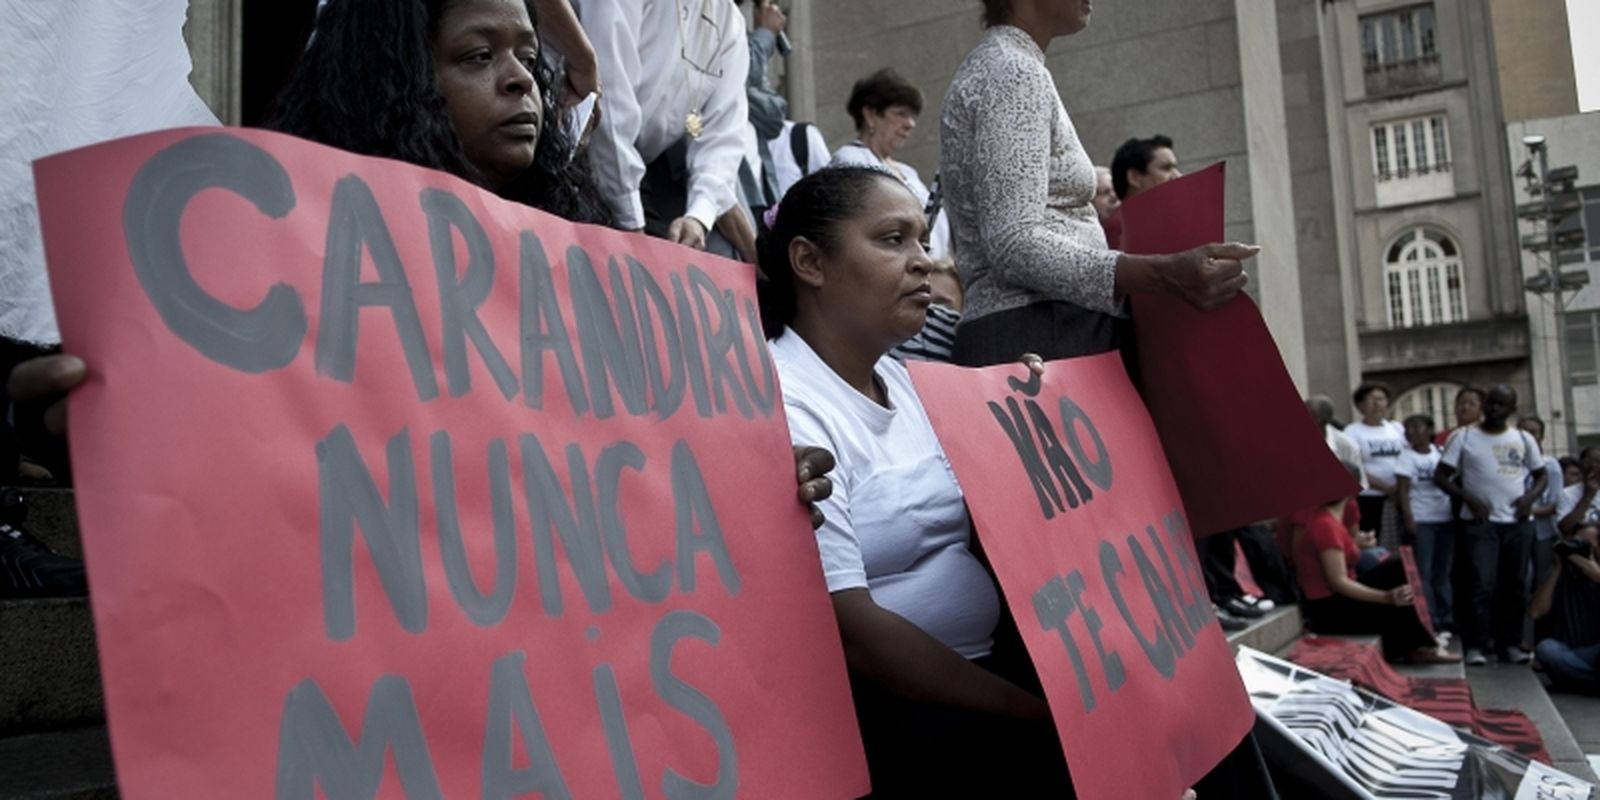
366, 84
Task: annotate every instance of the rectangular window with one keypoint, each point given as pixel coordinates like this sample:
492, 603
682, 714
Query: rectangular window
1435, 297
1419, 141
1380, 150
1395, 38
1369, 43
1441, 146
1397, 308
1583, 347
1414, 290
1410, 148
1458, 300
1425, 29
1402, 153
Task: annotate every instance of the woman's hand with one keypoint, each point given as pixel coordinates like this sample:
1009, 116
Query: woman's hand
1208, 277
811, 467
1365, 539
46, 381
1401, 596
687, 231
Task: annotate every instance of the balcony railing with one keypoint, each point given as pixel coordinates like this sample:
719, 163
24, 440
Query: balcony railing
1402, 76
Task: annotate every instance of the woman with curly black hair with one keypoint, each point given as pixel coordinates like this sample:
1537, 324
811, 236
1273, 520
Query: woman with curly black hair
454, 85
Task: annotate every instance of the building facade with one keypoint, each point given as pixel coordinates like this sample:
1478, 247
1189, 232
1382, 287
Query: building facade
1574, 140
1364, 142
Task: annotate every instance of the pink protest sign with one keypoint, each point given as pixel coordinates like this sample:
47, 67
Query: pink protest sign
393, 487
1079, 516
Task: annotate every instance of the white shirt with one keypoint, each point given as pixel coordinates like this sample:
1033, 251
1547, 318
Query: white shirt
1429, 503
1494, 466
896, 522
1346, 450
1381, 446
659, 60
1570, 497
75, 74
856, 154
788, 172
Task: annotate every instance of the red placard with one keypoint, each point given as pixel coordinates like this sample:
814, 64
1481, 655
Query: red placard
1243, 447
392, 486
1419, 595
1081, 520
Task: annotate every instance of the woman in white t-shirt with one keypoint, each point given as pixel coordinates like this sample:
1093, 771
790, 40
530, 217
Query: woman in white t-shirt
941, 713
1425, 512
1381, 440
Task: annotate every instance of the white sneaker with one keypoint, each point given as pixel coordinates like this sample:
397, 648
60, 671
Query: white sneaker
1474, 657
1443, 640
1259, 603
1517, 655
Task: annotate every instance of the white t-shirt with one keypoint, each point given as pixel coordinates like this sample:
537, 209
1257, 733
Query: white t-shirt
1381, 446
1570, 497
1429, 503
1494, 466
896, 522
782, 149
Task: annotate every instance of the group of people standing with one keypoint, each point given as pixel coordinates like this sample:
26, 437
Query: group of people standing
1504, 536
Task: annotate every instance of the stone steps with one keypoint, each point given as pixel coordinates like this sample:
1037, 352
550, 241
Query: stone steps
58, 765
1516, 686
1272, 633
53, 739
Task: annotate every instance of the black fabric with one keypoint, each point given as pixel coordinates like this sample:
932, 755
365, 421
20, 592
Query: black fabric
1499, 554
1052, 329
800, 146
664, 190
1371, 512
22, 426
1217, 563
1574, 615
921, 750
1399, 626
1267, 563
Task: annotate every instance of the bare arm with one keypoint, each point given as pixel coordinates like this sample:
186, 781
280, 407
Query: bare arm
1402, 494
1544, 595
1441, 478
896, 654
559, 25
1574, 518
1337, 574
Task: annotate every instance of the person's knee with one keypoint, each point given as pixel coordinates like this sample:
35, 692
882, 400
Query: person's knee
1550, 651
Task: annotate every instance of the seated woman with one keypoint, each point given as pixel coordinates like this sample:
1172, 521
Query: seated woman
1325, 556
917, 610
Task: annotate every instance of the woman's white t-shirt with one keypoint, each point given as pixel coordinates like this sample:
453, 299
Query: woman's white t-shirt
1429, 503
897, 523
1381, 446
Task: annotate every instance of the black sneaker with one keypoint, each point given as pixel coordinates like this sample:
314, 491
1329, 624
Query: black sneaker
1239, 608
1229, 622
28, 567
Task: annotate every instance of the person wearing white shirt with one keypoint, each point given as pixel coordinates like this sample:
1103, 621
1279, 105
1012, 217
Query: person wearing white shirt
798, 141
885, 108
1381, 440
1425, 512
1579, 506
1320, 407
673, 117
1495, 461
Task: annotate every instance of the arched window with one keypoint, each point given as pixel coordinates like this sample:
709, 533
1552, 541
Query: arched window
1437, 400
1422, 277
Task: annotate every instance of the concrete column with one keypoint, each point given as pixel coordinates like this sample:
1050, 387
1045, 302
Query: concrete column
1343, 204
800, 71
213, 32
1271, 193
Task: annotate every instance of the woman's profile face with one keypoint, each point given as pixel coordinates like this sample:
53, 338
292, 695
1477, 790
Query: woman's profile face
892, 125
484, 55
876, 286
1072, 15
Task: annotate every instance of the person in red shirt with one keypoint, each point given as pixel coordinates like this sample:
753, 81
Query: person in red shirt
1325, 556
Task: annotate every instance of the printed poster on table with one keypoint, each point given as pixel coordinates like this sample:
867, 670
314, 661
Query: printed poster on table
1346, 743
1082, 523
391, 488
1243, 448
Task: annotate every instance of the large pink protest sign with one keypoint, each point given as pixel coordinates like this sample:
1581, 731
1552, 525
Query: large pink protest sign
392, 488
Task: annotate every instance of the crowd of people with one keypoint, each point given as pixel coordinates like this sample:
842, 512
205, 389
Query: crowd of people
660, 117
1503, 536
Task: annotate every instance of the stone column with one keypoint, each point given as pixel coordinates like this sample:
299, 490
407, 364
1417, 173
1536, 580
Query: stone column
213, 33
